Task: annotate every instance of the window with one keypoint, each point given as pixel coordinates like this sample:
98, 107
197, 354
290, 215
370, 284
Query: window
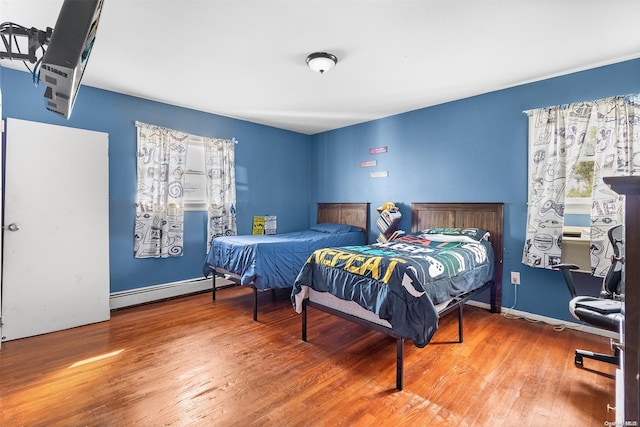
195, 191
579, 186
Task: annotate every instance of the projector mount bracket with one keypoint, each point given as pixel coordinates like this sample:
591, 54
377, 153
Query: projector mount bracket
36, 39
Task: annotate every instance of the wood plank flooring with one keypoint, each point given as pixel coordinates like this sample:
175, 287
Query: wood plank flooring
194, 362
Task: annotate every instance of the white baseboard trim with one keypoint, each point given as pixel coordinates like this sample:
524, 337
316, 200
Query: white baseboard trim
162, 291
549, 320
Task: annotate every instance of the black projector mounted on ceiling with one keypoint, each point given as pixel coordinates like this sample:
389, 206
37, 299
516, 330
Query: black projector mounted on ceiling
69, 45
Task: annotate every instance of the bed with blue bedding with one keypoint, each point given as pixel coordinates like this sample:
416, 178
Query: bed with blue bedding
403, 287
266, 262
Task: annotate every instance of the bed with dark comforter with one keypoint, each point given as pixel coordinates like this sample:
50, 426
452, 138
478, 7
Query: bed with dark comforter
400, 281
402, 287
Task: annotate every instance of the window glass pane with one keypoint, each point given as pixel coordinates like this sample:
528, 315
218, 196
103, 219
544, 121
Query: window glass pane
195, 196
581, 183
579, 186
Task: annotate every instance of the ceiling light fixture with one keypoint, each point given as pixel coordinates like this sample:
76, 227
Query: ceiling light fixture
321, 62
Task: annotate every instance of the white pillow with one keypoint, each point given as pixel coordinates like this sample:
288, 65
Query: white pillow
447, 238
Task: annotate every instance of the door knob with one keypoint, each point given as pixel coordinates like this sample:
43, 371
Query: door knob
13, 227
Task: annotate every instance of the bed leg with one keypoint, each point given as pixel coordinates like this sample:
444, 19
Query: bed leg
213, 287
399, 363
255, 304
496, 298
304, 321
460, 337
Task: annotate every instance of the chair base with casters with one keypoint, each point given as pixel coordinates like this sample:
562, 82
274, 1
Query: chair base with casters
614, 358
603, 313
607, 311
616, 324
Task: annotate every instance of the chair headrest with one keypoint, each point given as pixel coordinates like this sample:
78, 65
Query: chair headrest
612, 283
616, 235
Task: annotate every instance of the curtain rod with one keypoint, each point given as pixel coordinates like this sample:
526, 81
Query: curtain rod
141, 124
628, 97
561, 106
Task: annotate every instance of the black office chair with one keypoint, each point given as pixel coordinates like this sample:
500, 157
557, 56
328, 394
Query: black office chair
605, 311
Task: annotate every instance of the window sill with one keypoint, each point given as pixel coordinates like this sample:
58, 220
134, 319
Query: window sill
195, 206
578, 206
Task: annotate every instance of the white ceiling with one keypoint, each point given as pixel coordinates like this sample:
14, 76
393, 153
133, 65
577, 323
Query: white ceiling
246, 58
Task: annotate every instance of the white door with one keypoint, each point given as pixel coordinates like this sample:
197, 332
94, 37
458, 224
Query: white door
2, 212
55, 272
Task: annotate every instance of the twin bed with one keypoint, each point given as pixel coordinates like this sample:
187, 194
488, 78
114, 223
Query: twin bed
265, 262
403, 287
400, 288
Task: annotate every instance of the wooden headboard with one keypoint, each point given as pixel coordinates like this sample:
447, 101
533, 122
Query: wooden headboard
487, 216
356, 214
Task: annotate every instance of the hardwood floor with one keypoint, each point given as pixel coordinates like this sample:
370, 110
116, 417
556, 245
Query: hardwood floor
191, 361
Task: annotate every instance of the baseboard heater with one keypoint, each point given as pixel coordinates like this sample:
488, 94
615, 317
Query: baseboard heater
159, 292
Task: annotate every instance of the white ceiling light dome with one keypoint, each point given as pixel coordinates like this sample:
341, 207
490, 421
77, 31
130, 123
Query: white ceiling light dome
321, 62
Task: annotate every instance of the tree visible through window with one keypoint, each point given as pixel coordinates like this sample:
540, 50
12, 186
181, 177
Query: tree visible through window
582, 182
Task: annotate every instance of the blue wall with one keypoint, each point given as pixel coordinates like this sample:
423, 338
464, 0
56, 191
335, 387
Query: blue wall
266, 159
472, 150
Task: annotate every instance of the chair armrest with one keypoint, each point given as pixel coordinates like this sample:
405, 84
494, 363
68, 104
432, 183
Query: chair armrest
568, 279
566, 267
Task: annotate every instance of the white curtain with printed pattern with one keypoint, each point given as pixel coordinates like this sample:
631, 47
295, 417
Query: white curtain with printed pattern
221, 188
161, 161
557, 137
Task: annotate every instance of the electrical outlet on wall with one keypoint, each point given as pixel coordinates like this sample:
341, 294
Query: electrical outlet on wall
515, 277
